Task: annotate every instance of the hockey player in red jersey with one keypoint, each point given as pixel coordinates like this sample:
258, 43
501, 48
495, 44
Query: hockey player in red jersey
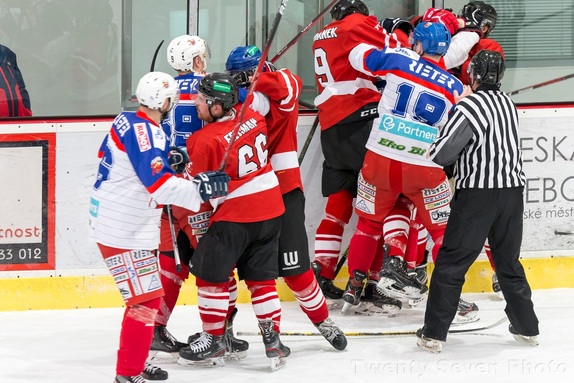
134, 181
245, 226
283, 89
347, 105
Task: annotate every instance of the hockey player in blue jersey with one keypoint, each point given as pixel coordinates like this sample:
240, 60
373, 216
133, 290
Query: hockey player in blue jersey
134, 181
188, 56
414, 105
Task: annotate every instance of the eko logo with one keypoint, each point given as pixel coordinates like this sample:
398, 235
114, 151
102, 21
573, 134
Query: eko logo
387, 123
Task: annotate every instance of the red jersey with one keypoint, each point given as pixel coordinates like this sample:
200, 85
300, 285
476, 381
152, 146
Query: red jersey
283, 90
342, 89
254, 193
482, 44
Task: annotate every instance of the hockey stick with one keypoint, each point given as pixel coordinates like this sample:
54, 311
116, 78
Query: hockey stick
383, 333
303, 31
540, 85
562, 232
308, 140
152, 67
174, 240
264, 54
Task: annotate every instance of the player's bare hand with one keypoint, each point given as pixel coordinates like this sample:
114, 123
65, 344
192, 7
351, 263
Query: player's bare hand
466, 90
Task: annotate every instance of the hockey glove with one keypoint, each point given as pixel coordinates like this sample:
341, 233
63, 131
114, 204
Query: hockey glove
390, 25
177, 159
443, 16
212, 184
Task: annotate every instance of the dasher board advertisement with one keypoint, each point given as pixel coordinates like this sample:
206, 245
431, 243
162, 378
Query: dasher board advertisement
27, 168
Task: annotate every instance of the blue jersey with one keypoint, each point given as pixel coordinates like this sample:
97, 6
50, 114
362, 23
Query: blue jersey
182, 120
415, 103
134, 179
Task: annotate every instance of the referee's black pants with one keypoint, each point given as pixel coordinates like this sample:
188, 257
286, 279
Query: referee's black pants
477, 214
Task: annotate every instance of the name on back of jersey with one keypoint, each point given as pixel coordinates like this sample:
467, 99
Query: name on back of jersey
329, 33
428, 71
244, 128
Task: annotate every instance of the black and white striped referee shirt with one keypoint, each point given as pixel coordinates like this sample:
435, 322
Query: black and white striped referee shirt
481, 140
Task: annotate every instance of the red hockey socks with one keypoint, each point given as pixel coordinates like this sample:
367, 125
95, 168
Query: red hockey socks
213, 303
171, 280
265, 301
136, 336
307, 292
363, 246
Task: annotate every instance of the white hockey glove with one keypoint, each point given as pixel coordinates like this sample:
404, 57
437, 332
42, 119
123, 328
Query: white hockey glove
212, 184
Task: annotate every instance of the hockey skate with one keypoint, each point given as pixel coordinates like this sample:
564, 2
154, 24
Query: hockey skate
420, 274
206, 350
332, 333
395, 281
164, 347
529, 340
496, 286
376, 302
428, 344
467, 312
152, 372
235, 349
327, 286
352, 295
129, 379
276, 351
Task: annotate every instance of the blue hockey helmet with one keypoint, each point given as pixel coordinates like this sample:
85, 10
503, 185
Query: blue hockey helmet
434, 37
243, 58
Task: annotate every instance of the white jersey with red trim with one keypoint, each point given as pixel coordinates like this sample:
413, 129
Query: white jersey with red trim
254, 193
283, 90
134, 179
415, 103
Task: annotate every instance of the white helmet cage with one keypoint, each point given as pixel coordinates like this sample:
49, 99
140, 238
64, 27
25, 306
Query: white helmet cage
183, 49
156, 87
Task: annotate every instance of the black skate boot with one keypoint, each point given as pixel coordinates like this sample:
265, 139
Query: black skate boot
235, 349
496, 286
152, 372
205, 350
420, 274
529, 340
276, 351
327, 286
164, 347
378, 302
352, 295
332, 333
395, 281
467, 312
129, 379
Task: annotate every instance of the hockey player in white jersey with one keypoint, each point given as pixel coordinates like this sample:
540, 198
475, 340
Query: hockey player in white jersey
134, 181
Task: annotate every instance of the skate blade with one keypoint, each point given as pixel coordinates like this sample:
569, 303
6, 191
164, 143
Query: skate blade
417, 302
277, 363
334, 304
433, 346
235, 356
369, 309
346, 308
210, 362
529, 340
461, 320
409, 292
162, 357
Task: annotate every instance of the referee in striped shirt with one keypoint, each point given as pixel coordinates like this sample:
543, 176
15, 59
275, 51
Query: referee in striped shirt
481, 141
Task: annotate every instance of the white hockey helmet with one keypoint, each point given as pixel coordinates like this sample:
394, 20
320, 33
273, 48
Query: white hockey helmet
156, 87
183, 49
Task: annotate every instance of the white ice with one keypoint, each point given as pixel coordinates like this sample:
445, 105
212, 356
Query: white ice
63, 346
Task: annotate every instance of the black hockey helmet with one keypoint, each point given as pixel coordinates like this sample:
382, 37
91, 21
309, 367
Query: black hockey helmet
219, 87
345, 7
480, 14
487, 67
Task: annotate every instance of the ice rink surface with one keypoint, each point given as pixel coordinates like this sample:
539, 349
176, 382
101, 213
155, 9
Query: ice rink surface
63, 346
